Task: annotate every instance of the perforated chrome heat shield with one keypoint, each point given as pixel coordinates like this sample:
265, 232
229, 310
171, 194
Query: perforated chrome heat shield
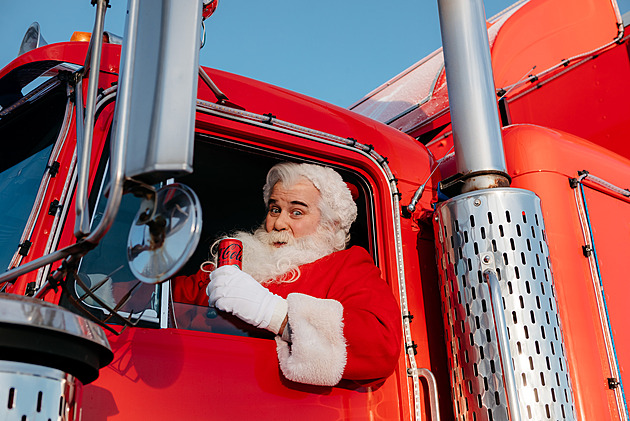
502, 230
35, 393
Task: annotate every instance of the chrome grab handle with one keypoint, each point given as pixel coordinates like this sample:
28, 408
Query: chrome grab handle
490, 277
433, 396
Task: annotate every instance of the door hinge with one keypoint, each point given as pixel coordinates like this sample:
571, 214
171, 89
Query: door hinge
53, 169
613, 383
413, 346
24, 247
54, 207
587, 250
30, 289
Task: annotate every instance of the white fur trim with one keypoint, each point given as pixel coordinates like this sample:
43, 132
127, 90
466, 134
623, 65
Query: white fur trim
317, 352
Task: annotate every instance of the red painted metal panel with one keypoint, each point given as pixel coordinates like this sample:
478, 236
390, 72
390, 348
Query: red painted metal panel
175, 374
67, 52
542, 33
543, 161
588, 101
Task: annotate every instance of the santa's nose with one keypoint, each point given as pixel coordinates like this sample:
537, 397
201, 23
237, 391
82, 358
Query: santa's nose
281, 223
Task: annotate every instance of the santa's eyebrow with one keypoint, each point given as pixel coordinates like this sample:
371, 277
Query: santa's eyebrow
293, 202
297, 202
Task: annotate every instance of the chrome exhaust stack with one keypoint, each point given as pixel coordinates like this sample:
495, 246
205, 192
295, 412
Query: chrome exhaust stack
503, 332
471, 94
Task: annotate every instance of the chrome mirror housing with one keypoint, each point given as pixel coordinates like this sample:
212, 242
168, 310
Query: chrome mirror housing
164, 234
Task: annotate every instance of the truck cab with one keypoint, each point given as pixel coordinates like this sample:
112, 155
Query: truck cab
550, 345
177, 347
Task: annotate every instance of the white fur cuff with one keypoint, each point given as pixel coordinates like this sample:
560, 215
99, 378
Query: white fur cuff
317, 352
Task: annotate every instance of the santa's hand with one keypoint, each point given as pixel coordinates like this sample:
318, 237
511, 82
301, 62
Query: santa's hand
232, 290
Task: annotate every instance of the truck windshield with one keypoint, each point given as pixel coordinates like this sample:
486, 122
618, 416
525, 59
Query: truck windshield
18, 188
28, 132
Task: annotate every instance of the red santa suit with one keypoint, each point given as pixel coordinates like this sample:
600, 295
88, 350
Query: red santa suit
344, 321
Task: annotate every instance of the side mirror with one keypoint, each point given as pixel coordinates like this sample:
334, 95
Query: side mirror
160, 68
164, 234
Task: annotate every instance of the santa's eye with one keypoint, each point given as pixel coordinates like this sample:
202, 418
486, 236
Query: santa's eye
275, 211
297, 212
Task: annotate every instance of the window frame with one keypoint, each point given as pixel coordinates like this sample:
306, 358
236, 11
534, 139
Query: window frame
165, 317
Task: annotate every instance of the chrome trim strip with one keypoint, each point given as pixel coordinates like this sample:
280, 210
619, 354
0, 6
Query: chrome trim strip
602, 312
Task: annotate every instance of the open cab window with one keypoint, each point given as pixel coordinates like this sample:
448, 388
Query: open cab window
228, 179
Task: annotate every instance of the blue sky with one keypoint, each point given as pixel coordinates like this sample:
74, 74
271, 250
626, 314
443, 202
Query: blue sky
335, 50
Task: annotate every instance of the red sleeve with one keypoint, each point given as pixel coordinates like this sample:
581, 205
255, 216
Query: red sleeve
372, 323
191, 289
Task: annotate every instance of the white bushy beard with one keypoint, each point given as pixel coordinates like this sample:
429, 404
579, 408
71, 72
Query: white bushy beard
268, 264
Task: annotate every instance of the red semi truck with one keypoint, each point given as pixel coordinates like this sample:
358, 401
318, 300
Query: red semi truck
497, 211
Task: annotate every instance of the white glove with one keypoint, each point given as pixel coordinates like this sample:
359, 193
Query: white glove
232, 290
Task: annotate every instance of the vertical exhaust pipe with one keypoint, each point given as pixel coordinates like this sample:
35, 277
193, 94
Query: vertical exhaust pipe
471, 92
501, 365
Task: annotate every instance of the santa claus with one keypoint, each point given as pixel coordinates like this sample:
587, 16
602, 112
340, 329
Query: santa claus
333, 315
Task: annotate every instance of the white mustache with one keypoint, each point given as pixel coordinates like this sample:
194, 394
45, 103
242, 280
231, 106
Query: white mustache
280, 237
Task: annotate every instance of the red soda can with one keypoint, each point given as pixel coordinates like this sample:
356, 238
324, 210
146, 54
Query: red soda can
230, 252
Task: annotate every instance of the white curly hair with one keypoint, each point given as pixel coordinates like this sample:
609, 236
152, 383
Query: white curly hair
337, 208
